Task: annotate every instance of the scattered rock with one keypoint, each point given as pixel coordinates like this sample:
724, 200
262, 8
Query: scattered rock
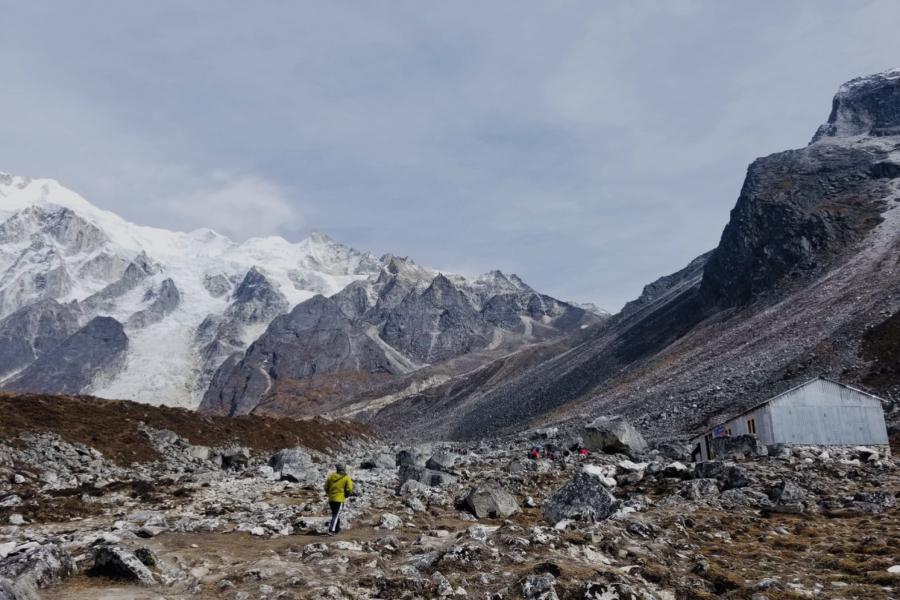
613, 434
119, 563
728, 475
490, 500
584, 498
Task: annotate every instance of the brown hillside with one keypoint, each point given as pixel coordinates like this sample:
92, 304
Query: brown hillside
111, 426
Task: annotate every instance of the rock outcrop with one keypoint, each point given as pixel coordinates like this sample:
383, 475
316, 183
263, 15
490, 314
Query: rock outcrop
584, 498
29, 332
490, 500
95, 352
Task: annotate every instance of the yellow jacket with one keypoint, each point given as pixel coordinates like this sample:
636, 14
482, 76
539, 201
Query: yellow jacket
338, 487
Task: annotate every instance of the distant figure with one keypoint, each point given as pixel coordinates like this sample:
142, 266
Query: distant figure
583, 454
338, 486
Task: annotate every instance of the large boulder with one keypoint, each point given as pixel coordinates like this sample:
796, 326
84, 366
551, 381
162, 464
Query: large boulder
442, 461
289, 456
489, 500
235, 458
33, 566
584, 498
613, 434
416, 456
425, 476
8, 591
379, 461
738, 447
293, 464
119, 563
787, 497
698, 489
729, 476
539, 587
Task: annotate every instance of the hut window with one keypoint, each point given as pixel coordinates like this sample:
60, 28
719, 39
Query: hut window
751, 426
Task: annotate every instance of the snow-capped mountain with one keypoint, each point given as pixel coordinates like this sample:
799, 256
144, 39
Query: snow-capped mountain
90, 303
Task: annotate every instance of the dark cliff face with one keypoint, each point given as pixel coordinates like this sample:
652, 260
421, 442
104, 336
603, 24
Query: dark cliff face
392, 326
865, 106
797, 211
31, 331
95, 351
315, 337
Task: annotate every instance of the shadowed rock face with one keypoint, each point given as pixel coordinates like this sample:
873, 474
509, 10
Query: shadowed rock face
405, 320
315, 337
165, 301
29, 332
92, 353
865, 106
255, 300
797, 211
436, 325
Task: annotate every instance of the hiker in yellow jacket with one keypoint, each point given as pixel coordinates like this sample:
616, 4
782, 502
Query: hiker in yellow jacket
338, 486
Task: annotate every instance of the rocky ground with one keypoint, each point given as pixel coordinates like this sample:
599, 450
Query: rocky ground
438, 521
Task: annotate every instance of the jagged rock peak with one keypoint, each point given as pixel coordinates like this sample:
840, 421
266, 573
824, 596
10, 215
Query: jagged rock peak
253, 284
867, 105
402, 267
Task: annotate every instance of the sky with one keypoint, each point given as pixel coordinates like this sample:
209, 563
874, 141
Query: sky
589, 147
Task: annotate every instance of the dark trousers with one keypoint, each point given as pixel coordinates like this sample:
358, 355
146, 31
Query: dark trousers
336, 509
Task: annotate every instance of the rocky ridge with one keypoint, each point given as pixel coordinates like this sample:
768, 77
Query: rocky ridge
806, 267
187, 303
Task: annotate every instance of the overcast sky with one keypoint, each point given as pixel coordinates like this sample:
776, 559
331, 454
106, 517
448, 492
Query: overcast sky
589, 147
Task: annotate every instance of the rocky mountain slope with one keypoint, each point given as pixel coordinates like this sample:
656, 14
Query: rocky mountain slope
373, 333
90, 303
802, 283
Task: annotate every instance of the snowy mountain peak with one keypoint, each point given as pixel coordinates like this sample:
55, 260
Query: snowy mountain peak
182, 304
867, 105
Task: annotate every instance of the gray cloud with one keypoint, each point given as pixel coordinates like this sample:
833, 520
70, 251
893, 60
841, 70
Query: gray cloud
588, 147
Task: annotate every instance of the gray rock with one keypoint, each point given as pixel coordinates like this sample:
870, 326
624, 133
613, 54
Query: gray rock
442, 461
379, 461
674, 451
787, 492
119, 563
613, 434
33, 330
290, 456
728, 475
200, 452
864, 106
314, 338
884, 499
36, 566
165, 301
8, 591
490, 500
416, 456
235, 458
584, 498
539, 587
425, 476
95, 352
699, 489
389, 521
